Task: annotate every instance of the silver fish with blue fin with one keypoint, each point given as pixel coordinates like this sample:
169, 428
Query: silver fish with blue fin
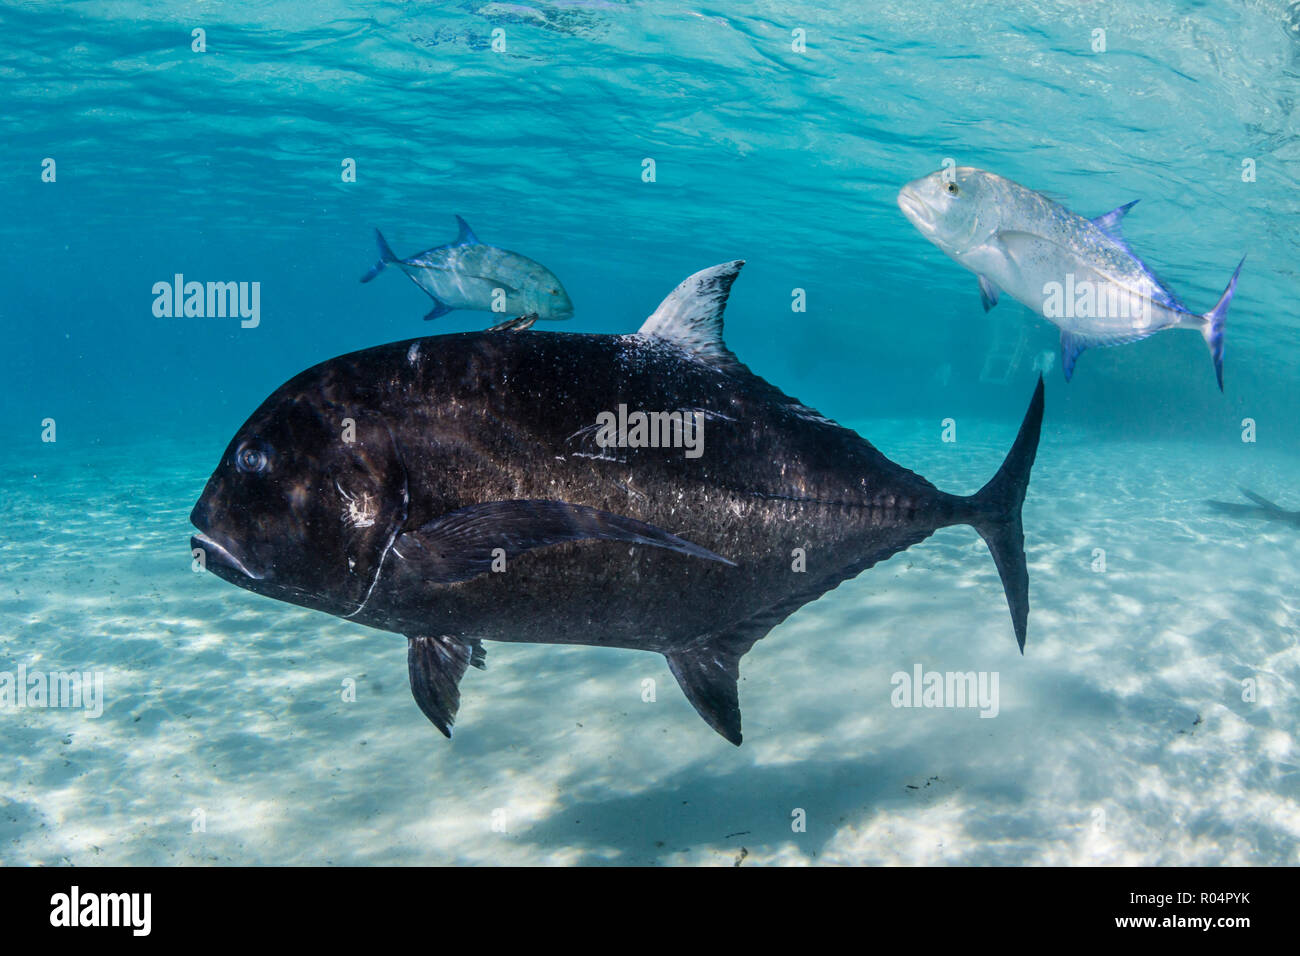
469, 274
1077, 273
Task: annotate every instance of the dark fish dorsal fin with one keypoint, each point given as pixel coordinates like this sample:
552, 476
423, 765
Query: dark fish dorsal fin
466, 235
436, 665
691, 316
1110, 223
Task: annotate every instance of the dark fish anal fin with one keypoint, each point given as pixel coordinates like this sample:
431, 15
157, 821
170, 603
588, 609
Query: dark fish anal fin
459, 545
708, 670
988, 293
436, 665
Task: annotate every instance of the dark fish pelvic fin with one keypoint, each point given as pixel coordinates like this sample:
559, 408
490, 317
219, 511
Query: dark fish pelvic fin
994, 511
436, 665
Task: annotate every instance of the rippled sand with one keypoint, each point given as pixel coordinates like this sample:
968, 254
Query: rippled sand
1122, 735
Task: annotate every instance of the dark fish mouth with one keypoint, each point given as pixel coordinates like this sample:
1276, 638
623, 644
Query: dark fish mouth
224, 554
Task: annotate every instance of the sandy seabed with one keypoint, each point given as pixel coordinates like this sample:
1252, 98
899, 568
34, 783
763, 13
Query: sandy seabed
1123, 735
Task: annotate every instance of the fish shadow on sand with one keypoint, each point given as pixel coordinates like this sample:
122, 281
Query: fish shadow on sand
1262, 508
750, 807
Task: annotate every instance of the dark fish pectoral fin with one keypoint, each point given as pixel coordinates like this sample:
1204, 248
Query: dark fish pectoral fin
436, 665
459, 546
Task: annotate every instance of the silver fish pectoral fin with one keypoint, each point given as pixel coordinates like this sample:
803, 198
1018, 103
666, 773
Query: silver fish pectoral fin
459, 545
436, 665
988, 292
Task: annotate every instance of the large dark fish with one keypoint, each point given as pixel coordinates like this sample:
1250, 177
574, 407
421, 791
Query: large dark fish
458, 489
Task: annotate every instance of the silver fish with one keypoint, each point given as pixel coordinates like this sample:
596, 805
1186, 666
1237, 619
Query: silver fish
468, 274
1077, 273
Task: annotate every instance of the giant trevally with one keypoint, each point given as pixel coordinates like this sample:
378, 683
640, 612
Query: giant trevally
641, 491
468, 274
1077, 273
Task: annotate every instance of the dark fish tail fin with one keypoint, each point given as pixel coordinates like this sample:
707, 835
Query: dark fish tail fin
385, 256
1212, 324
996, 514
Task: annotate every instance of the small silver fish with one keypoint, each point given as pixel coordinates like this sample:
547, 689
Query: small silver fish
468, 274
1077, 273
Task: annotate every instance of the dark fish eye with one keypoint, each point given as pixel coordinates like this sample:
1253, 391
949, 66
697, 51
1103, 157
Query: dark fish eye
250, 459
952, 188
555, 292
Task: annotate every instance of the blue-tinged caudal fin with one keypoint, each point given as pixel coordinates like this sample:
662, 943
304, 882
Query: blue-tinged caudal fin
996, 515
1212, 324
385, 256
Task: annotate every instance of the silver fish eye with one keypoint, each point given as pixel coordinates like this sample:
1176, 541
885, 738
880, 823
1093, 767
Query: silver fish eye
250, 459
954, 188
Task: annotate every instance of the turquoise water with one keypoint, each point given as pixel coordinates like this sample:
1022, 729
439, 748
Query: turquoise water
1123, 735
